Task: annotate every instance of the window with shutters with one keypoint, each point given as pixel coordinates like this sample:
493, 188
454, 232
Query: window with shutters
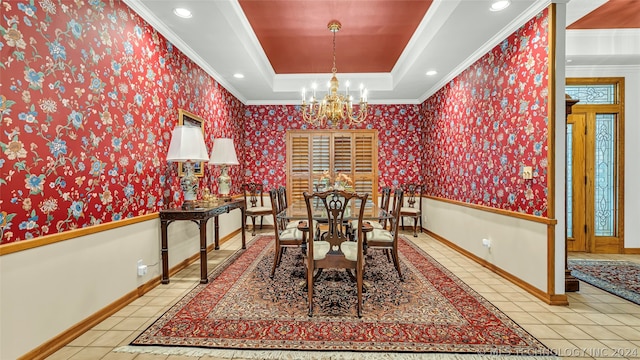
350, 152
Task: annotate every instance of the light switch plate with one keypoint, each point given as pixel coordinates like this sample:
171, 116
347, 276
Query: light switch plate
527, 173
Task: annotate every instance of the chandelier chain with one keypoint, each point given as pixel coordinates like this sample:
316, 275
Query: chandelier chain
334, 69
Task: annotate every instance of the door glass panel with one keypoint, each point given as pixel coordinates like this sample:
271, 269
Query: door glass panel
605, 204
569, 180
592, 94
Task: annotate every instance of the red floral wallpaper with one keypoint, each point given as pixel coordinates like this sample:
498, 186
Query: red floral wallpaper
483, 127
398, 142
89, 95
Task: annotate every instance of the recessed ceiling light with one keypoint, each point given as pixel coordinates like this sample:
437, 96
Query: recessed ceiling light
431, 72
569, 60
182, 12
500, 5
238, 76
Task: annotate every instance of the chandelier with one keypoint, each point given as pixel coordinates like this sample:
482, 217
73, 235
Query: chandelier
334, 108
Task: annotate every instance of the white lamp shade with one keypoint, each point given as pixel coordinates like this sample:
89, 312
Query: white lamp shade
187, 144
223, 153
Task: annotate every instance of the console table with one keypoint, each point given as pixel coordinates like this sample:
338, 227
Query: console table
199, 215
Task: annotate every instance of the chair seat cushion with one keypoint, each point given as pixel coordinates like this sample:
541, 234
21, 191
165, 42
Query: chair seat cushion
380, 236
291, 234
374, 224
350, 250
294, 224
257, 209
320, 249
409, 210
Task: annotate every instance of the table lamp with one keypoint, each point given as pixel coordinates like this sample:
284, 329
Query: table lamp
187, 145
223, 154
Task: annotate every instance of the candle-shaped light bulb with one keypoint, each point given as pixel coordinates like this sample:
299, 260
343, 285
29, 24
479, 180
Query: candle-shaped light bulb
314, 86
304, 94
361, 90
347, 83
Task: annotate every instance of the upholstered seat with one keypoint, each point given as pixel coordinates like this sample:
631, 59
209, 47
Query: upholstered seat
320, 249
380, 235
291, 234
374, 224
350, 250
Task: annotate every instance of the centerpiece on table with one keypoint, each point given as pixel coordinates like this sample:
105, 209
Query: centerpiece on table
340, 182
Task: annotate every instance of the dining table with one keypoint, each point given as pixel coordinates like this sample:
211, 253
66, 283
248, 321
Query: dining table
297, 211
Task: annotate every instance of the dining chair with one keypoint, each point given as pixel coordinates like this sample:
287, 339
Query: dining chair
384, 205
334, 250
387, 240
253, 198
412, 195
284, 237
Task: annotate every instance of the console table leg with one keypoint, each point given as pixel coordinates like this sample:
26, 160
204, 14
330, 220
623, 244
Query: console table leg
244, 243
203, 251
216, 233
164, 252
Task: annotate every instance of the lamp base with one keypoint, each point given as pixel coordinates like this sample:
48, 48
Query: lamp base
189, 185
224, 185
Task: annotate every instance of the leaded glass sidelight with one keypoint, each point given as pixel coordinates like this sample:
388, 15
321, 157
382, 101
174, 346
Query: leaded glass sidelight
605, 175
570, 180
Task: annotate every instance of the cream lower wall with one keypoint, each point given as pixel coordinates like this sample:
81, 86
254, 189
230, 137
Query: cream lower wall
46, 290
518, 246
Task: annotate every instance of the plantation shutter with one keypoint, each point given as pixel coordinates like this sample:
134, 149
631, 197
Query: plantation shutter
310, 153
365, 165
299, 161
321, 155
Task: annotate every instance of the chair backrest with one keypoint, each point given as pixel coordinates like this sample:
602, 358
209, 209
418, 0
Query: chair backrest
384, 202
253, 194
335, 205
413, 194
282, 197
398, 195
279, 204
275, 210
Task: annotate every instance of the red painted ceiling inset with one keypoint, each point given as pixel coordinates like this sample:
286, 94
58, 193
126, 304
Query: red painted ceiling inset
614, 14
295, 38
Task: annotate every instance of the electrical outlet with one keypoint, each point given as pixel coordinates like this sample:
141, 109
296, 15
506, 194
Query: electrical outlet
142, 268
527, 173
486, 243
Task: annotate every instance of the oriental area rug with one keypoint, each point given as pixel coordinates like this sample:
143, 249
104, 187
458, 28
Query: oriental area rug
621, 278
243, 313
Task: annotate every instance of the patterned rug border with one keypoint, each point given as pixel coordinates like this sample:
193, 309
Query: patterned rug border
603, 284
268, 353
314, 354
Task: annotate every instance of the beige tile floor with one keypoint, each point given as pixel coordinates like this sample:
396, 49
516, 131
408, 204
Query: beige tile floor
595, 324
